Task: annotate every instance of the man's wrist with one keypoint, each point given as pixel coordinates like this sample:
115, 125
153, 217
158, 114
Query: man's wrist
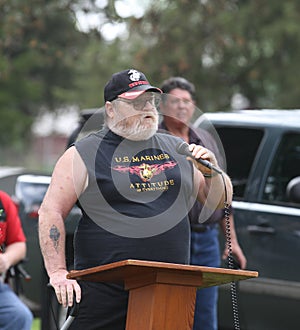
210, 175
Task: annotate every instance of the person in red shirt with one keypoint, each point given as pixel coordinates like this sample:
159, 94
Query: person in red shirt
14, 314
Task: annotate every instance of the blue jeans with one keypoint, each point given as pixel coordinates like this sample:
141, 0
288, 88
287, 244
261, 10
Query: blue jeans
205, 251
13, 313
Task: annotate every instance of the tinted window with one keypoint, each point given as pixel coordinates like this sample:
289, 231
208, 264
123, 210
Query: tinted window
285, 166
240, 145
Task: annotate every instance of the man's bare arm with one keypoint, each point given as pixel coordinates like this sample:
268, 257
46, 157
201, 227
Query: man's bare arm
68, 181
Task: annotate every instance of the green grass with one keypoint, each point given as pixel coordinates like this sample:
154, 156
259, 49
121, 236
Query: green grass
36, 324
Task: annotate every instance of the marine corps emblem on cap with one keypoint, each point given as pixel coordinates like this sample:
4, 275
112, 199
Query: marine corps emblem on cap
128, 84
134, 75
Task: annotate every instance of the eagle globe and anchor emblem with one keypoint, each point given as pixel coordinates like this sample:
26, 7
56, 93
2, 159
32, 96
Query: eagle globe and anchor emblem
134, 75
146, 171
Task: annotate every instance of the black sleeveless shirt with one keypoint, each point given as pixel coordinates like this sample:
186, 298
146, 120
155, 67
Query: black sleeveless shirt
135, 207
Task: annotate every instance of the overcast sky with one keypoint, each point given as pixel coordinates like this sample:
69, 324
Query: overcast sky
124, 8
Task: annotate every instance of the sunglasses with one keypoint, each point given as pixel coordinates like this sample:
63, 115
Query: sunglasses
140, 102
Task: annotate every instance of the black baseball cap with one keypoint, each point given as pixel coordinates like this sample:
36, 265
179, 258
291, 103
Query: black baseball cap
127, 84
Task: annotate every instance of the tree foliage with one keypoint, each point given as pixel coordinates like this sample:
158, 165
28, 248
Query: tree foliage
224, 47
39, 46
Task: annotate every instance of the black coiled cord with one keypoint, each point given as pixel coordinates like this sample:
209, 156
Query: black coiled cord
233, 291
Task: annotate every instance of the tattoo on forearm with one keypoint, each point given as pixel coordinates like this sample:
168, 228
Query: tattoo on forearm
54, 235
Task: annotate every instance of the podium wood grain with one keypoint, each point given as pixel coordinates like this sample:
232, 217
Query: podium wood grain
161, 295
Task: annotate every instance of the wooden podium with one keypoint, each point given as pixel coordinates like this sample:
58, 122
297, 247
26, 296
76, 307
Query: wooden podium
161, 295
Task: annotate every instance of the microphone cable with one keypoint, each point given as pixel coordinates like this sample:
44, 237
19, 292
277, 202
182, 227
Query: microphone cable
233, 290
183, 149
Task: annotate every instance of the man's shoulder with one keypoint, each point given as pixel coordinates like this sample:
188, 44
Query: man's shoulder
203, 134
166, 136
91, 140
212, 142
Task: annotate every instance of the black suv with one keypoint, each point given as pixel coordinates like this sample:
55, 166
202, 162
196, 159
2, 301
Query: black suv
262, 150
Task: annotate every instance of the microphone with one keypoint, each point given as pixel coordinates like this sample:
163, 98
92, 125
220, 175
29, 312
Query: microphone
183, 149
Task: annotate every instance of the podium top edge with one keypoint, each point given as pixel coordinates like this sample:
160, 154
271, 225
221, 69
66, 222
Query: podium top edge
161, 265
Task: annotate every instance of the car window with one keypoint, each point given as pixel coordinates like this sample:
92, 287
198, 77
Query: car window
285, 166
240, 146
29, 193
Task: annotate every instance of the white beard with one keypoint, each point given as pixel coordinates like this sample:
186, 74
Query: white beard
135, 128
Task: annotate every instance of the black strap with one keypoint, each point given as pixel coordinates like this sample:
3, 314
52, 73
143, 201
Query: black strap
2, 212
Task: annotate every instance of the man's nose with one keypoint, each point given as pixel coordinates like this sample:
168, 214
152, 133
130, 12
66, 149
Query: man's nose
181, 103
149, 104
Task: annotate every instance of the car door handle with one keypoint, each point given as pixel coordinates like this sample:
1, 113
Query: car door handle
262, 229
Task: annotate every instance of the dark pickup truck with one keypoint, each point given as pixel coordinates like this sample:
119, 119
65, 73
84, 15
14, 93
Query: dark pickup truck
262, 150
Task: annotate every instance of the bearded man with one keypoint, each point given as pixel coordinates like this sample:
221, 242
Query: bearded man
135, 192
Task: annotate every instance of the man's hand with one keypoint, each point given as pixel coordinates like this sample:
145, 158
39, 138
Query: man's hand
205, 154
64, 288
237, 253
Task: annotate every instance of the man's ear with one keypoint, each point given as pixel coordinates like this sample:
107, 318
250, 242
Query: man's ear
109, 108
